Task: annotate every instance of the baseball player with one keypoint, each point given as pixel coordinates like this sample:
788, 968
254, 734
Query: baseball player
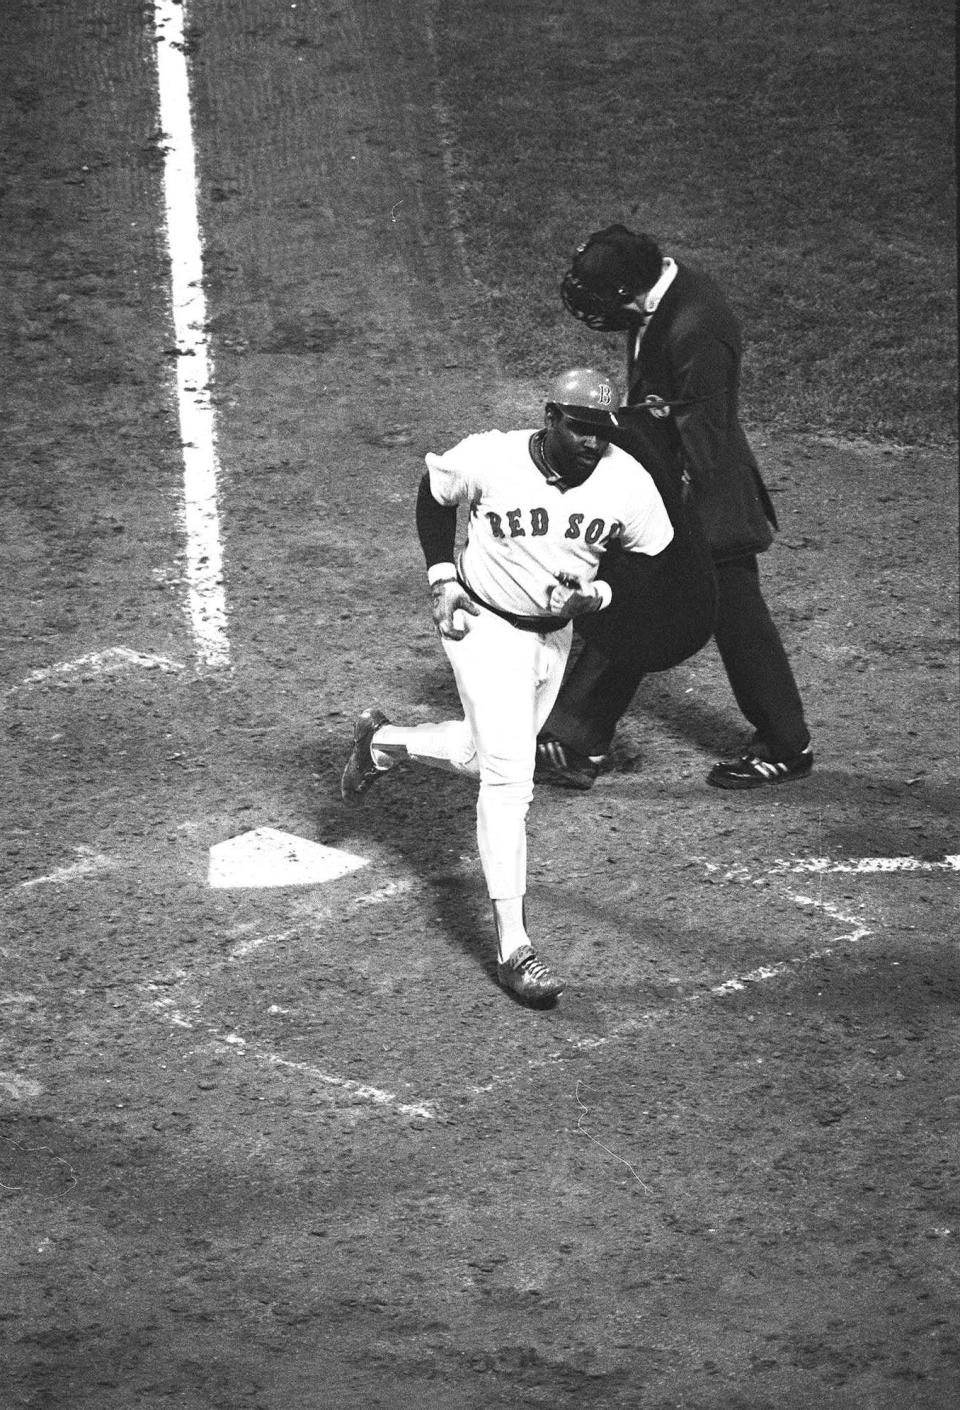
542, 507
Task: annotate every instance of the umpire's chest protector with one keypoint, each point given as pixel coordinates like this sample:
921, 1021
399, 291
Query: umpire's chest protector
662, 612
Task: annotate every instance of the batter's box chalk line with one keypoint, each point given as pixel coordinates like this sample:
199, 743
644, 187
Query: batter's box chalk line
736, 983
863, 866
822, 866
184, 1012
361, 1093
88, 863
97, 663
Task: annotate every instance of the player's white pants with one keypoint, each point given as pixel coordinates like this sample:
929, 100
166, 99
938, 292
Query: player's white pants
508, 681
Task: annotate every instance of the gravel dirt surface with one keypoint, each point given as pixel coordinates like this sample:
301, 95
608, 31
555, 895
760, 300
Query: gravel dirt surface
263, 1148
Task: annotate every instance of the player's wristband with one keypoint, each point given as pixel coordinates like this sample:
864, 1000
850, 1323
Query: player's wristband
441, 573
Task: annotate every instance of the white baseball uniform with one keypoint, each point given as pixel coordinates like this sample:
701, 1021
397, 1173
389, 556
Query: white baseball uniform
522, 532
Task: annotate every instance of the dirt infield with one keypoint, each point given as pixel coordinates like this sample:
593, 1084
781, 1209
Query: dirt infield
271, 1147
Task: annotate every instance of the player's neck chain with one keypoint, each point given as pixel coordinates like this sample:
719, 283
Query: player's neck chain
539, 459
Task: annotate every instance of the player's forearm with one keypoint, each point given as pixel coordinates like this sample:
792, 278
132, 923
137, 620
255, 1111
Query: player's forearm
437, 531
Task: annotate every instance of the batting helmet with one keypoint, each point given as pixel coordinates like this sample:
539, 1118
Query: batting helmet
608, 271
586, 395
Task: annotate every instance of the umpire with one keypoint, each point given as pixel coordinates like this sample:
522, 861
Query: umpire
684, 351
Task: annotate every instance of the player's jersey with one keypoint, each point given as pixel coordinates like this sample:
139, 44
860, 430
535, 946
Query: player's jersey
523, 530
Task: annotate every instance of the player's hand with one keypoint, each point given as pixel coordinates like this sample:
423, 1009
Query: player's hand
568, 598
451, 605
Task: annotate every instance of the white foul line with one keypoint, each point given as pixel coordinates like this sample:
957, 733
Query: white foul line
207, 602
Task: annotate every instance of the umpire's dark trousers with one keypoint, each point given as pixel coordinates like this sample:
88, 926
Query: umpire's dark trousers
756, 664
602, 683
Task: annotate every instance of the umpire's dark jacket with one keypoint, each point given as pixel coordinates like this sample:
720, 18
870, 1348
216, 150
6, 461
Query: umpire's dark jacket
691, 352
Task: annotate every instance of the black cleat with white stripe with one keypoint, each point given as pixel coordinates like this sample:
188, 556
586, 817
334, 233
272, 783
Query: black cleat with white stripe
752, 770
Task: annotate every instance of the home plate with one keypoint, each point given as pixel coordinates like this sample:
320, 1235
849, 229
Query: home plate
266, 857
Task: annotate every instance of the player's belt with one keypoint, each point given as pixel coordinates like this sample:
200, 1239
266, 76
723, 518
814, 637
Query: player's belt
523, 624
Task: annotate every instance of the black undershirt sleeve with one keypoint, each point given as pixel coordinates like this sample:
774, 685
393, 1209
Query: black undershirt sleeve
436, 525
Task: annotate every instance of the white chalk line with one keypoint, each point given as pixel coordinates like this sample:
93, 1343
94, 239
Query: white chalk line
19, 1088
171, 1006
96, 663
243, 948
403, 886
738, 983
790, 966
446, 133
763, 973
361, 1092
206, 595
88, 863
367, 1093
862, 866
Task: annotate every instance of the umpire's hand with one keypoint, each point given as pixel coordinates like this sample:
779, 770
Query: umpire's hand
450, 602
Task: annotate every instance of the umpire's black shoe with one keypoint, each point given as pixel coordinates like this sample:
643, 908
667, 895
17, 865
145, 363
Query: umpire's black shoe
562, 766
752, 770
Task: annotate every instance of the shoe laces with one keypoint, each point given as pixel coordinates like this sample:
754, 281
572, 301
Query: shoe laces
532, 965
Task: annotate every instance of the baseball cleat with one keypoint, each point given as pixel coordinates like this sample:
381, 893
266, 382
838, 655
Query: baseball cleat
528, 977
361, 768
751, 770
564, 767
